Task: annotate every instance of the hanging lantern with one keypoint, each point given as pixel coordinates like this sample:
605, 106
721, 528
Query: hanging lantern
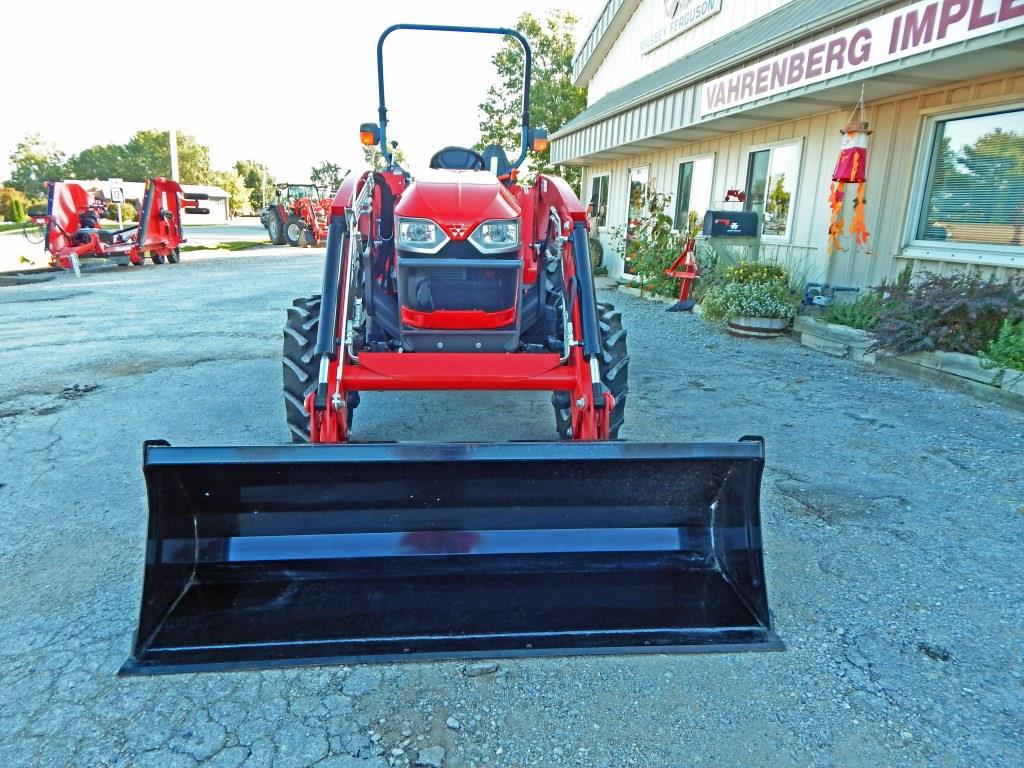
851, 169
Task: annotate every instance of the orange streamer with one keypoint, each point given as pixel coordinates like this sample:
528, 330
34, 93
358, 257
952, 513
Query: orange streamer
858, 228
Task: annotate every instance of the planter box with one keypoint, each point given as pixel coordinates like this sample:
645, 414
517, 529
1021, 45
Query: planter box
835, 340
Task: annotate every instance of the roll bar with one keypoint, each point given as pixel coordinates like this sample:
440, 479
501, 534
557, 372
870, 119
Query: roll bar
382, 110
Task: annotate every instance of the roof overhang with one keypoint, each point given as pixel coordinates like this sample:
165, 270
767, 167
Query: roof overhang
595, 46
674, 117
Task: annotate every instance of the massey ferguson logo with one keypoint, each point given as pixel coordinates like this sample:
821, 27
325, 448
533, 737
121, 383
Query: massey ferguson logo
457, 230
671, 7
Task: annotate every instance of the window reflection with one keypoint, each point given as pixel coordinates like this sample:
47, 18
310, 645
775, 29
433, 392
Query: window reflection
975, 184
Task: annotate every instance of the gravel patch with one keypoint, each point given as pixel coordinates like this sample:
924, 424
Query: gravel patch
893, 521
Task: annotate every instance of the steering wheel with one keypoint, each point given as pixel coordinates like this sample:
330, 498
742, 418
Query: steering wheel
458, 159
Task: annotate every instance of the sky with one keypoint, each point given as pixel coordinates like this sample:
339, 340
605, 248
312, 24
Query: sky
283, 83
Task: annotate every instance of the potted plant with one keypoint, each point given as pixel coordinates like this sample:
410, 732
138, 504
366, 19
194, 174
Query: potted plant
758, 309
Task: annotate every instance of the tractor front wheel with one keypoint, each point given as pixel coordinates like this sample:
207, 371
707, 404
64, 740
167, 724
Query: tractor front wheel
301, 367
293, 231
275, 229
614, 365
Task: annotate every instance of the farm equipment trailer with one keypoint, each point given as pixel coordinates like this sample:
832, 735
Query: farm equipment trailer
72, 229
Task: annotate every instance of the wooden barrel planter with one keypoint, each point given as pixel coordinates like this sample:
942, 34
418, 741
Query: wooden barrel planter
757, 327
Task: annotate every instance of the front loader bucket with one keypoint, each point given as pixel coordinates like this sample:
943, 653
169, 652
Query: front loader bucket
282, 555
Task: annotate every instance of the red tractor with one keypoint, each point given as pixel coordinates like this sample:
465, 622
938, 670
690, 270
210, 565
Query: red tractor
299, 215
460, 279
73, 229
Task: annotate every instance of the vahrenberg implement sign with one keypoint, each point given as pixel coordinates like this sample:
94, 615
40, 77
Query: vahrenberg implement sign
681, 19
919, 27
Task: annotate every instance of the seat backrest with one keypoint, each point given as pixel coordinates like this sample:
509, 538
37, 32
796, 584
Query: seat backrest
492, 152
457, 159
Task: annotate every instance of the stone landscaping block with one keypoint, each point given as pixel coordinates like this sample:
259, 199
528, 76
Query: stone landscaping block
957, 364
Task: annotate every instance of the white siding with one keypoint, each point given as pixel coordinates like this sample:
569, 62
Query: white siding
624, 62
892, 158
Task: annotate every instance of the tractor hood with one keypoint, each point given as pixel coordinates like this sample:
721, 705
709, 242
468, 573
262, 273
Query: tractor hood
457, 200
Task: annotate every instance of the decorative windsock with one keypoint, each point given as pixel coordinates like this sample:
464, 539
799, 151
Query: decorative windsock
851, 169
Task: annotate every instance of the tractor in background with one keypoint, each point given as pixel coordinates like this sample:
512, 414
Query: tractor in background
73, 231
299, 215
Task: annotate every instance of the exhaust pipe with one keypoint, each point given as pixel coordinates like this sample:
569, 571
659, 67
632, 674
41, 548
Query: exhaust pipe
284, 555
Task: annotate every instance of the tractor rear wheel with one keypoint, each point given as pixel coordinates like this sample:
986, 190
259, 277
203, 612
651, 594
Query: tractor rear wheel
293, 231
301, 366
614, 366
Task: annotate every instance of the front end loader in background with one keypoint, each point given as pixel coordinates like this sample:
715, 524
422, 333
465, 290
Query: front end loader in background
460, 279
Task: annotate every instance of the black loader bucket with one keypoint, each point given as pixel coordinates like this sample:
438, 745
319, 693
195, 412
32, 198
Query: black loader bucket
261, 557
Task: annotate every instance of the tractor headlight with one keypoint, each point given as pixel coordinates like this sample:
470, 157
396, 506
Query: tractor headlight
420, 236
496, 236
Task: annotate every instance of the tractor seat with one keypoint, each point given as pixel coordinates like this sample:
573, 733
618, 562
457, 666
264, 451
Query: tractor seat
458, 159
84, 234
493, 151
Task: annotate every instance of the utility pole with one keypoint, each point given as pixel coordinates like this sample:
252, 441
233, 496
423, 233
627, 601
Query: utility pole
173, 146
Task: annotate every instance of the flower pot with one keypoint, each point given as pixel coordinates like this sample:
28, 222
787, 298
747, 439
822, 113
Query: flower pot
757, 327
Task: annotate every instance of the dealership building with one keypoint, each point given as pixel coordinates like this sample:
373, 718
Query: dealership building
697, 98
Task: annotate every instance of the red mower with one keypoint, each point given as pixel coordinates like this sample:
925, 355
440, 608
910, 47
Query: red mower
462, 279
299, 215
73, 225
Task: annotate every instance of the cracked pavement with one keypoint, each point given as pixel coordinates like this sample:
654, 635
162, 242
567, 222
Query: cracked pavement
893, 516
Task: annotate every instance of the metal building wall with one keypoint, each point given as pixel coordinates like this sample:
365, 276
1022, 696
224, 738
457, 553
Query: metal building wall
892, 159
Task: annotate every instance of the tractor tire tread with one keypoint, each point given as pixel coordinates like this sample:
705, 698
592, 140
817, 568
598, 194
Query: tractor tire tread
299, 364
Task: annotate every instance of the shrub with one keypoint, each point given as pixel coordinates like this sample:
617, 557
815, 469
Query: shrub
7, 197
1007, 349
17, 210
765, 299
954, 313
862, 313
652, 246
756, 272
128, 212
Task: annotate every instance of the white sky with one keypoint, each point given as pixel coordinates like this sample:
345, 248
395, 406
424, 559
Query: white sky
195, 68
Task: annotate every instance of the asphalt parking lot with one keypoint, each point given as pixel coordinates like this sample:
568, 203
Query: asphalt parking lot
893, 518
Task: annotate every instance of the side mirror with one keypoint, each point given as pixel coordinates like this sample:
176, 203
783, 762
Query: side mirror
369, 134
538, 139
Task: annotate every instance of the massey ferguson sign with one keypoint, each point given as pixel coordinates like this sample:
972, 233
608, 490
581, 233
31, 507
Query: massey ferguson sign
682, 16
922, 26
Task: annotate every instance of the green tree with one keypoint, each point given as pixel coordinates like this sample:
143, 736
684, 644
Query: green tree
34, 162
553, 98
327, 173
257, 180
375, 159
103, 161
148, 154
239, 200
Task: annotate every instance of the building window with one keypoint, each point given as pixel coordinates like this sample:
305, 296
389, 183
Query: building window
599, 199
974, 189
772, 175
693, 192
